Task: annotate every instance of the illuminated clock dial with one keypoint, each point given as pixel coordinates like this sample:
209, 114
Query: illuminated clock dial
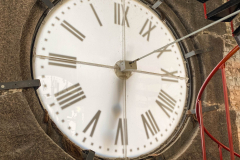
76, 52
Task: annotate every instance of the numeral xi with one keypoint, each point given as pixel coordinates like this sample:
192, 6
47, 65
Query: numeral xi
150, 28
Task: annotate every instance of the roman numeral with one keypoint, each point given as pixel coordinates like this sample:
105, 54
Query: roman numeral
169, 79
95, 13
167, 103
122, 129
152, 127
94, 121
164, 50
70, 96
150, 28
62, 60
73, 30
117, 14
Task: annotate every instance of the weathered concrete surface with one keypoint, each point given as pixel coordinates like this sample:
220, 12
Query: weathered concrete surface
21, 137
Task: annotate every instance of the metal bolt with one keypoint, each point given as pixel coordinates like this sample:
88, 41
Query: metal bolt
2, 86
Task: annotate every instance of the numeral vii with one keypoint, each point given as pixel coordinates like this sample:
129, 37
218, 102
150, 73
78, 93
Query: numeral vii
122, 129
169, 102
117, 14
95, 121
73, 30
150, 28
149, 127
70, 96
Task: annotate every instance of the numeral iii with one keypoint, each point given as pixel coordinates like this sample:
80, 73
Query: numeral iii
62, 60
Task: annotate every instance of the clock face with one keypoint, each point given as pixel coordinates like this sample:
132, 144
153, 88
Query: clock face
77, 48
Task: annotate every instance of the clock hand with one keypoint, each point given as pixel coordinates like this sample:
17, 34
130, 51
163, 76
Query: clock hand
159, 74
124, 83
106, 66
189, 35
74, 61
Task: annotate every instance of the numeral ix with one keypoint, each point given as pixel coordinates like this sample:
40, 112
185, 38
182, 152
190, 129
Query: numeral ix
168, 102
152, 126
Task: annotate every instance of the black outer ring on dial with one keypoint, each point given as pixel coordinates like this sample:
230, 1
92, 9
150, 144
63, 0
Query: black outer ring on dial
179, 129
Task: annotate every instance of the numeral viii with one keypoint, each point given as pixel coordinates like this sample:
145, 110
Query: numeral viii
167, 103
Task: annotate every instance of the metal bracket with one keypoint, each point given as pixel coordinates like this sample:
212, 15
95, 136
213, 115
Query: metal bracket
90, 155
199, 51
204, 109
157, 4
20, 84
48, 3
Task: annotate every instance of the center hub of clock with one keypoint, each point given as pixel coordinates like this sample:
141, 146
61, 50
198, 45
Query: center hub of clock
122, 74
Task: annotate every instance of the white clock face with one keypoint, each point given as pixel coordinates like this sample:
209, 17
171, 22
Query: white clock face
88, 102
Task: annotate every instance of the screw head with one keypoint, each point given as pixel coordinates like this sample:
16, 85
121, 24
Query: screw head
2, 86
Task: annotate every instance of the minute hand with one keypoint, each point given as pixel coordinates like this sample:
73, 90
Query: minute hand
189, 35
105, 66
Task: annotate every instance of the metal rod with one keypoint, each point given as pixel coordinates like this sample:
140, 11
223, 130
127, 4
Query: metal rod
189, 35
227, 112
230, 54
220, 151
205, 10
202, 131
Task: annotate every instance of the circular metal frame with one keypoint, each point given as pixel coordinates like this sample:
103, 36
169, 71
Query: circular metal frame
180, 128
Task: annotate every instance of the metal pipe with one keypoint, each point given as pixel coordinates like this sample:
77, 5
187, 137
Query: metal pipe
220, 151
199, 117
202, 131
205, 10
227, 112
